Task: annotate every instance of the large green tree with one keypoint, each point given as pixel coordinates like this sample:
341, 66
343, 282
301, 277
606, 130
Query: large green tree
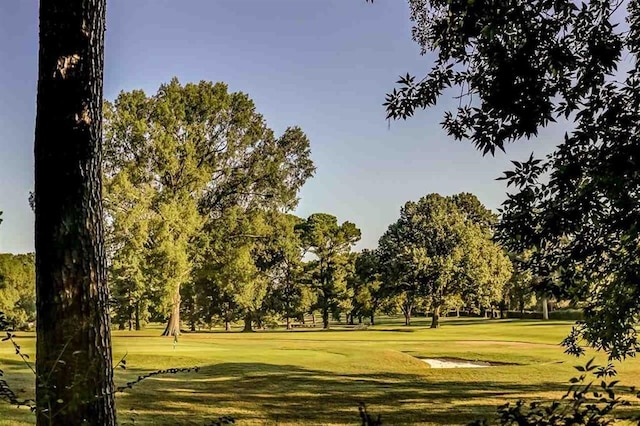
329, 243
189, 154
438, 250
519, 67
74, 381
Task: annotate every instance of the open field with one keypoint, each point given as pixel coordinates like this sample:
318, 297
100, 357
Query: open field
319, 377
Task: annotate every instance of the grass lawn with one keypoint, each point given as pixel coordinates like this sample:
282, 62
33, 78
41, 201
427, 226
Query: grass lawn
319, 377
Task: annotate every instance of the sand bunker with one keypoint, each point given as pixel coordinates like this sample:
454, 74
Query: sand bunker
455, 363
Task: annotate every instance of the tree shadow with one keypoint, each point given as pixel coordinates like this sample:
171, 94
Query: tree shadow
284, 394
554, 323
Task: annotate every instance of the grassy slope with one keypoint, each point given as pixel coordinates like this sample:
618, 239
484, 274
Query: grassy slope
319, 377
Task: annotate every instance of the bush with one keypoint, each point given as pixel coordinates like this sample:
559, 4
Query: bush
524, 315
567, 314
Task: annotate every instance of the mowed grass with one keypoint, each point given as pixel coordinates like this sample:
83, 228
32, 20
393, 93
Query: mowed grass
319, 377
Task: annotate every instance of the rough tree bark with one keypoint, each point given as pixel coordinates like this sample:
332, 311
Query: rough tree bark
74, 383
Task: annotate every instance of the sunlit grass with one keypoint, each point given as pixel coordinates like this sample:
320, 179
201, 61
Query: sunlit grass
319, 377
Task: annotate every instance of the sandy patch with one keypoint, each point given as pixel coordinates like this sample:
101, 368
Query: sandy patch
454, 363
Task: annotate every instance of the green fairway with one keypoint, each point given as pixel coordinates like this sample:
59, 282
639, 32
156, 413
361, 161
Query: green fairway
319, 377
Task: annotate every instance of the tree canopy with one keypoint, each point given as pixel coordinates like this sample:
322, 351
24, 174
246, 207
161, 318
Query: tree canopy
441, 247
176, 164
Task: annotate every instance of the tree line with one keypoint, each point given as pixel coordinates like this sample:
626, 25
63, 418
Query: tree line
198, 194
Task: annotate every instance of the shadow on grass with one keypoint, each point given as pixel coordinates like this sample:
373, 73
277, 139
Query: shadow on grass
261, 393
267, 393
548, 322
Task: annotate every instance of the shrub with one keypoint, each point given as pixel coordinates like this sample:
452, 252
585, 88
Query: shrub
567, 314
524, 315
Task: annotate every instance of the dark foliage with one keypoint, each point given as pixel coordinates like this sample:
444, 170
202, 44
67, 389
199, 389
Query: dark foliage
4, 324
517, 67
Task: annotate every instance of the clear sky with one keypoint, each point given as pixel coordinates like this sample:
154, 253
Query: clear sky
324, 65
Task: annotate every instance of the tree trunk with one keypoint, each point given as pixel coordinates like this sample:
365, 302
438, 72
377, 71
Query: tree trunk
325, 317
73, 353
288, 323
173, 325
372, 317
313, 318
350, 319
138, 316
457, 312
227, 325
435, 321
129, 311
545, 309
359, 319
407, 308
407, 316
247, 324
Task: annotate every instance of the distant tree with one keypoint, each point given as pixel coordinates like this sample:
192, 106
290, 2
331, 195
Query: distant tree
17, 289
400, 287
330, 244
518, 293
520, 66
487, 269
74, 382
367, 285
437, 250
282, 259
130, 217
487, 265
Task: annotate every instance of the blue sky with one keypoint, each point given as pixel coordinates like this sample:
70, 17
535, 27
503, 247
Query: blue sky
324, 65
